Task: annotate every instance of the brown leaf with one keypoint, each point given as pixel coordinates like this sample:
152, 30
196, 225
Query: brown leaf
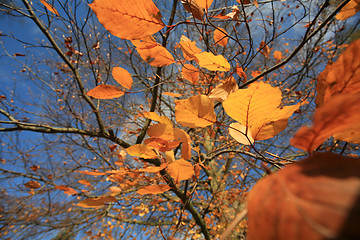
32, 184
96, 202
264, 49
105, 91
67, 190
339, 114
128, 19
317, 198
350, 9
194, 8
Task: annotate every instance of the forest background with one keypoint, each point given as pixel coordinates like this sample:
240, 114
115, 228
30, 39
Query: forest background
155, 119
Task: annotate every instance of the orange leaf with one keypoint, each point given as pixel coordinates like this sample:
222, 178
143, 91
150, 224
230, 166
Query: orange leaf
264, 49
241, 134
142, 151
85, 182
211, 62
154, 116
171, 94
350, 9
105, 91
241, 73
32, 184
204, 3
184, 138
220, 37
277, 55
194, 8
221, 92
153, 189
96, 202
161, 130
339, 114
343, 76
122, 76
234, 15
153, 169
161, 144
196, 111
188, 48
316, 198
190, 73
181, 170
50, 7
67, 190
128, 19
153, 53
257, 108
92, 173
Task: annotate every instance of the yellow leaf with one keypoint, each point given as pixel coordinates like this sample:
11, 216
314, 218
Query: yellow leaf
169, 156
153, 53
196, 111
194, 8
181, 170
221, 92
156, 117
277, 55
257, 108
188, 48
142, 151
220, 37
350, 9
161, 130
96, 202
190, 73
240, 133
128, 19
122, 76
211, 62
340, 114
105, 91
49, 7
153, 189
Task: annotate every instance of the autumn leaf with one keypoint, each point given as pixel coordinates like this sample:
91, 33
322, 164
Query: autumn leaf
156, 117
32, 184
277, 55
171, 94
153, 189
340, 114
258, 109
241, 133
128, 19
234, 14
85, 182
350, 9
184, 138
194, 8
49, 7
67, 190
196, 111
161, 130
221, 92
96, 202
343, 76
190, 73
105, 91
153, 169
220, 37
180, 170
142, 151
122, 76
92, 173
211, 62
205, 4
153, 53
188, 48
316, 198
264, 49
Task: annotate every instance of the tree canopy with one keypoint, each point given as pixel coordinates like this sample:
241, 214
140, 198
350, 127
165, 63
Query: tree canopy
191, 119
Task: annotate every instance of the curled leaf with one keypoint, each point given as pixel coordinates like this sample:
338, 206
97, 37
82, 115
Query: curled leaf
194, 8
188, 48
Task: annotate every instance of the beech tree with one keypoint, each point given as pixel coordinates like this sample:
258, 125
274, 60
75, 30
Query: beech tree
151, 119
